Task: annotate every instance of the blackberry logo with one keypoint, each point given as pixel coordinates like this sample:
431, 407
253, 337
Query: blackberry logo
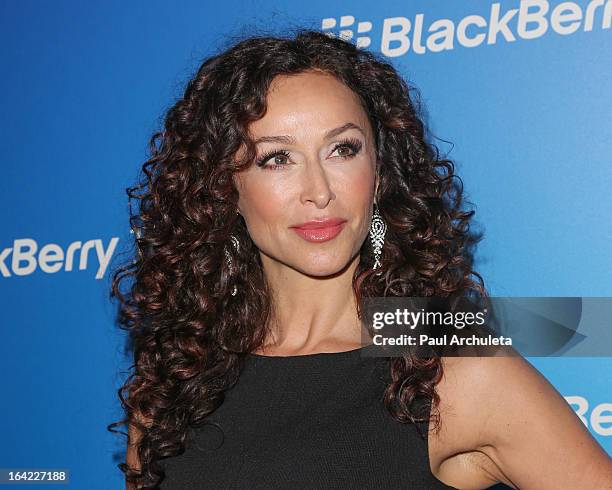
531, 20
599, 419
26, 258
347, 21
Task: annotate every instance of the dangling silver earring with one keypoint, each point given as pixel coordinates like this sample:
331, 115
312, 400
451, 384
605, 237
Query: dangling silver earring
228, 259
378, 229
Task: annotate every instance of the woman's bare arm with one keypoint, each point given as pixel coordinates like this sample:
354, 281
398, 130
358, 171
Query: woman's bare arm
524, 426
134, 437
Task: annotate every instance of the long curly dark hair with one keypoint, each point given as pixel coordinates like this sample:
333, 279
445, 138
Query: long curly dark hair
189, 334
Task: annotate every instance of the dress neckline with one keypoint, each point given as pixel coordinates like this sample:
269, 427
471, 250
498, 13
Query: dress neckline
315, 355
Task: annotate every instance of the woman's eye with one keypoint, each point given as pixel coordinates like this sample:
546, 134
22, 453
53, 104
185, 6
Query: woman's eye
273, 157
347, 151
352, 145
276, 159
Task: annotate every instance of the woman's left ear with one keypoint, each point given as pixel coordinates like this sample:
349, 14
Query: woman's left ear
376, 187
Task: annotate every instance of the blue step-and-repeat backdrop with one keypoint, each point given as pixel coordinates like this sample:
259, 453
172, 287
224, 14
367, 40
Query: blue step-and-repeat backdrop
519, 95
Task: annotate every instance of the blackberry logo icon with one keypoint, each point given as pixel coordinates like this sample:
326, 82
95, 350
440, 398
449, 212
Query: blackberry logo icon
346, 26
420, 34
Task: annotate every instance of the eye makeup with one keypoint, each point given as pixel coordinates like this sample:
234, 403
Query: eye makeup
354, 144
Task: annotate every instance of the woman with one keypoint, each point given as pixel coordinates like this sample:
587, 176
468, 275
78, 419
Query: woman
292, 180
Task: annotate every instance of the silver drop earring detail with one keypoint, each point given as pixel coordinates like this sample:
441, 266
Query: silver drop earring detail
378, 229
228, 258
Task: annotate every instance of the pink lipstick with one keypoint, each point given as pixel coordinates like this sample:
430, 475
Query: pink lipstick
319, 230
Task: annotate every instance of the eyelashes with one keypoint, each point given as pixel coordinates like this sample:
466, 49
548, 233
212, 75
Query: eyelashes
353, 144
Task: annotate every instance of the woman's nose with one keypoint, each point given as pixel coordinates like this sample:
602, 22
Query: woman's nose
316, 185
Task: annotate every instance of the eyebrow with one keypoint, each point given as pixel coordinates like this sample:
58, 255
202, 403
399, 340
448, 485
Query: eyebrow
289, 140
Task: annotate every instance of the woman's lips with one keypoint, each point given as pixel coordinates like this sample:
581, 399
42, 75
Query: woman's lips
322, 234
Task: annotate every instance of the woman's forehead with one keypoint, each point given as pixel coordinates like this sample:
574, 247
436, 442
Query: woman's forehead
308, 103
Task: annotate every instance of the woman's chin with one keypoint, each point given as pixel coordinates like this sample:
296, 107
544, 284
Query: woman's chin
324, 268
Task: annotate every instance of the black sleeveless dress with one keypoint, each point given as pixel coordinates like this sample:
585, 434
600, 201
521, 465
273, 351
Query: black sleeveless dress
310, 421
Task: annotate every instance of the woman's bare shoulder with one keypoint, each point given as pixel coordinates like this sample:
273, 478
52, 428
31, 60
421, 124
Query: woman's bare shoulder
502, 421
